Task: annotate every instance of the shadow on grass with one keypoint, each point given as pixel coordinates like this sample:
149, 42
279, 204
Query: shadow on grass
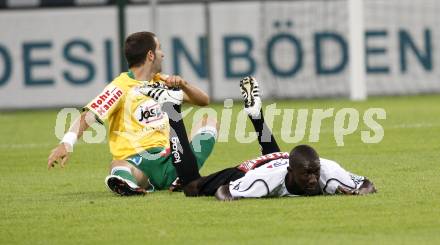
89, 195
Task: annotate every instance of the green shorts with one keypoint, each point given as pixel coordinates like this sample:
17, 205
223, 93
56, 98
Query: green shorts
157, 165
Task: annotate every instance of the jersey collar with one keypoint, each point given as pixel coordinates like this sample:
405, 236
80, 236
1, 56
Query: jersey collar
131, 75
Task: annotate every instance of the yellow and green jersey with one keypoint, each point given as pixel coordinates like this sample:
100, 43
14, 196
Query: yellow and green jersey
136, 121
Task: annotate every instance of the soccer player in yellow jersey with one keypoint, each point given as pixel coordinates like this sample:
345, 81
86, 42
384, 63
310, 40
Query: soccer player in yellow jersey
138, 129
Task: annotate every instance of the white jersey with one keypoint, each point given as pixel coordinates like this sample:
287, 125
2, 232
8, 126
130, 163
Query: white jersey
268, 180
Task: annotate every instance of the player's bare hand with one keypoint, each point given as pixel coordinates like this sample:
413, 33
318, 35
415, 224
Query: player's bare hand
59, 155
175, 82
367, 187
345, 191
223, 194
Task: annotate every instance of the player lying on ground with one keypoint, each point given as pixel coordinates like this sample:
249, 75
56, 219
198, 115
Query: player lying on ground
275, 174
138, 129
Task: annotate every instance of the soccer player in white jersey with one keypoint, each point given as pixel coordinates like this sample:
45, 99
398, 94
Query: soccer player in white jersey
274, 174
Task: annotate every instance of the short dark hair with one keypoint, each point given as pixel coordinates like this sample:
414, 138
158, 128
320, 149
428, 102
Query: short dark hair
137, 46
303, 155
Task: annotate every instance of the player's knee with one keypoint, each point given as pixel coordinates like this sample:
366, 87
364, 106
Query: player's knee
119, 163
207, 125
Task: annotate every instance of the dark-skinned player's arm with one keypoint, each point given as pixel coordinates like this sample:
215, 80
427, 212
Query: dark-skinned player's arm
367, 187
223, 194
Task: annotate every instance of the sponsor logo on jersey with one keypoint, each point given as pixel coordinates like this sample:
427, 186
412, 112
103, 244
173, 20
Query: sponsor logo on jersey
148, 112
280, 163
104, 102
277, 164
257, 162
136, 160
175, 149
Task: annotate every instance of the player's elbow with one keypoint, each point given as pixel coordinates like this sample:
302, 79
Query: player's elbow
204, 102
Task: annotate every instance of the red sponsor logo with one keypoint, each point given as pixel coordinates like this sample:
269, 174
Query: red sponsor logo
106, 100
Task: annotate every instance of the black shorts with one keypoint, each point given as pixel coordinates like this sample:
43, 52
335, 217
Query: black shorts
208, 185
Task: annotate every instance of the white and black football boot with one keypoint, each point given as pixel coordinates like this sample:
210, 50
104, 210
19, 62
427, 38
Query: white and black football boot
251, 96
162, 95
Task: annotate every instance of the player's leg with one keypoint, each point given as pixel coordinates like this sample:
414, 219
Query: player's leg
252, 103
185, 162
208, 185
182, 156
203, 136
125, 179
155, 164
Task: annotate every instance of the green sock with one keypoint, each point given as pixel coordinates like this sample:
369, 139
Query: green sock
124, 173
202, 145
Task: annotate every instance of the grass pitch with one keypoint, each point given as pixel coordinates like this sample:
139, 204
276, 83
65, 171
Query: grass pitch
72, 205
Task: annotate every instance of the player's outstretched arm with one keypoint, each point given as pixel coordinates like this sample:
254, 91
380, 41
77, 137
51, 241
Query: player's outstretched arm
60, 154
366, 188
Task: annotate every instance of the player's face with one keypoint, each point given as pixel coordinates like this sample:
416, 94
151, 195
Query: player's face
158, 57
307, 178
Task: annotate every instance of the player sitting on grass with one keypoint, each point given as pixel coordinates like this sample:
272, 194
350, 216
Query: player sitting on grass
275, 174
138, 129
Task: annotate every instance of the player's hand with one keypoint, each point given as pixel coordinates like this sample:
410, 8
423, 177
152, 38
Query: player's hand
367, 187
59, 154
345, 191
175, 82
364, 191
223, 194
